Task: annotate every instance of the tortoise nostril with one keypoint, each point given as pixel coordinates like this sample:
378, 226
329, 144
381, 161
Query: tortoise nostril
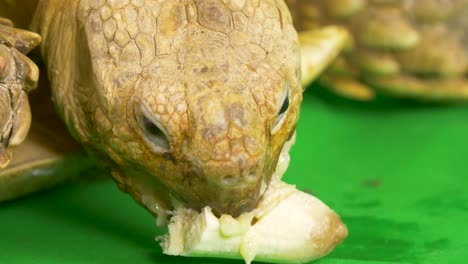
228, 180
155, 133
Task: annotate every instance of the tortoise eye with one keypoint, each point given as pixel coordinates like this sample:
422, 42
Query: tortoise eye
283, 109
155, 134
285, 105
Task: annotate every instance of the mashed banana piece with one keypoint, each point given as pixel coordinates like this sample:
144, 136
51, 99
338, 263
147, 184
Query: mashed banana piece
288, 226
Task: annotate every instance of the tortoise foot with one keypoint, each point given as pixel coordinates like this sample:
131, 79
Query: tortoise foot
18, 76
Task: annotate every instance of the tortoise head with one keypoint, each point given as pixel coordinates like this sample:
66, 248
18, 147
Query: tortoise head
214, 125
195, 104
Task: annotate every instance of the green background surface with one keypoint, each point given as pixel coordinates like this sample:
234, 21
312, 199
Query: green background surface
395, 171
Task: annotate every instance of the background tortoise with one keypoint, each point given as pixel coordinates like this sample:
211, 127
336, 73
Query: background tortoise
189, 103
405, 48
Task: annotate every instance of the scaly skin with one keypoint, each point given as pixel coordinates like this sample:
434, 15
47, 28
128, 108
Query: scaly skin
18, 76
407, 48
211, 75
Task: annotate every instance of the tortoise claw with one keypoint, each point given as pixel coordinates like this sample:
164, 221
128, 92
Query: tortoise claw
348, 87
5, 157
22, 40
6, 22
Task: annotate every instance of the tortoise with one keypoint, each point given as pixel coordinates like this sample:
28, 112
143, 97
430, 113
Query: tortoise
191, 105
402, 48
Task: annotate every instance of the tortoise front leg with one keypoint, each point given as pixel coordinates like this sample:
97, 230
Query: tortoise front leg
319, 48
46, 157
18, 76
